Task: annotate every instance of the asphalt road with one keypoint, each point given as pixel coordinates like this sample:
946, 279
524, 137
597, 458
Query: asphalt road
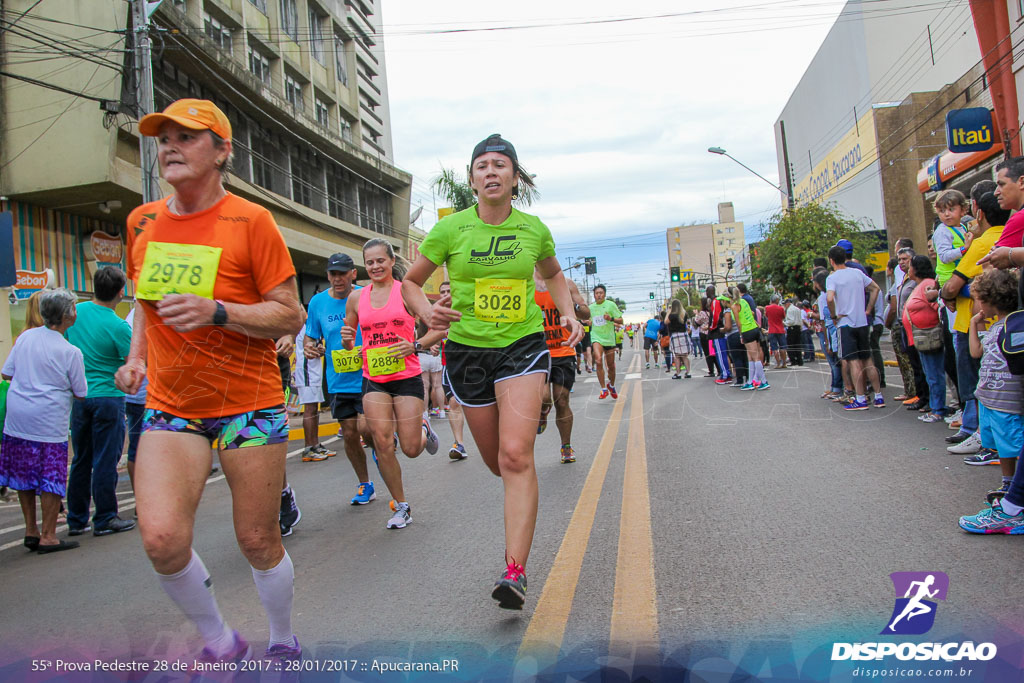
701, 527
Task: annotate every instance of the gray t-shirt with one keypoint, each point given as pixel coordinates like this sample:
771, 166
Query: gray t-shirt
998, 388
849, 285
903, 295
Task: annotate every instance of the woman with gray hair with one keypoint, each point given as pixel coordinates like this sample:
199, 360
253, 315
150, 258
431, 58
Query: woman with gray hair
46, 373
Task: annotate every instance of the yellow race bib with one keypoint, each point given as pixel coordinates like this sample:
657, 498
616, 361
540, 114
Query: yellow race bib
178, 269
347, 361
500, 300
383, 364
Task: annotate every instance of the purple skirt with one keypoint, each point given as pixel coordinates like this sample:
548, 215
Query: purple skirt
34, 465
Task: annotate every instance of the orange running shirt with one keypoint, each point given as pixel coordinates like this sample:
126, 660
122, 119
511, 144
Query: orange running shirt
213, 371
554, 333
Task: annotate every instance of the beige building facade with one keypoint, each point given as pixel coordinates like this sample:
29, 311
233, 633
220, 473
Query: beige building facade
303, 83
705, 249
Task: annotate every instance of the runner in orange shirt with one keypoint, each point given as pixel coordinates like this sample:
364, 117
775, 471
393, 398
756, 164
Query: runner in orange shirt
215, 286
563, 362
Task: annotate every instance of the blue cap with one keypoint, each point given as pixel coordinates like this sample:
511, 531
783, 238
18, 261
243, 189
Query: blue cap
847, 245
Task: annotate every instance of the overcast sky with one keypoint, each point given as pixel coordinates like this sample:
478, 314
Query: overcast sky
614, 117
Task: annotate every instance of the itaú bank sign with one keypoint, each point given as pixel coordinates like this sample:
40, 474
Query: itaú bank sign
856, 150
969, 130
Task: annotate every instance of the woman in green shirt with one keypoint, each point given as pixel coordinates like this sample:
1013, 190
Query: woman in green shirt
750, 335
496, 356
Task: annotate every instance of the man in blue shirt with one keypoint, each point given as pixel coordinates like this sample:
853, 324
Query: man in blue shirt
326, 317
651, 340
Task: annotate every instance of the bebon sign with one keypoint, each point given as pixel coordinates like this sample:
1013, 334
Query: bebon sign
969, 130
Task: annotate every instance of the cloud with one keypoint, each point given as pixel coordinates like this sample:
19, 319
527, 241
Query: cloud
614, 120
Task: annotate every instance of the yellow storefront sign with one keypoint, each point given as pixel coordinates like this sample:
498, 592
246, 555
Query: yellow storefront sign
857, 150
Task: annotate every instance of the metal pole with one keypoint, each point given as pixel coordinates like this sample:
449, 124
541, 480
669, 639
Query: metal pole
146, 104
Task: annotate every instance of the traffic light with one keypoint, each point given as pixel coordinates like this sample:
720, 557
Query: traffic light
652, 295
675, 273
728, 263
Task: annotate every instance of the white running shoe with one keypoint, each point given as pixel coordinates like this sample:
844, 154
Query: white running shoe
432, 441
402, 516
971, 444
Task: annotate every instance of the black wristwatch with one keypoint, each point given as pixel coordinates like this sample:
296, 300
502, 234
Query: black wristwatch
220, 316
417, 346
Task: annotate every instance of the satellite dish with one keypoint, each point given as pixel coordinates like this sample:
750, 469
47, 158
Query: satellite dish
415, 215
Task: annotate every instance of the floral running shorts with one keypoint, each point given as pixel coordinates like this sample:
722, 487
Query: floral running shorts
256, 428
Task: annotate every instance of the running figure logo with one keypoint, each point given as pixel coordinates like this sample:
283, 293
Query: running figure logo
914, 613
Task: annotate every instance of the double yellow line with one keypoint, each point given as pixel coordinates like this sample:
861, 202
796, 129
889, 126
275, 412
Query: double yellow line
634, 622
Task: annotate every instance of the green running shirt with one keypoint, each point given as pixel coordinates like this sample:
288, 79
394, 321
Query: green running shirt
603, 331
494, 314
747, 319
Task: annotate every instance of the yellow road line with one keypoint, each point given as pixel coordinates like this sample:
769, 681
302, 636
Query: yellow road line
330, 429
634, 606
543, 638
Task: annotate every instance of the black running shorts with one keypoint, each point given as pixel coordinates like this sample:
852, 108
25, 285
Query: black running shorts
472, 371
346, 406
855, 342
563, 371
410, 386
650, 344
751, 335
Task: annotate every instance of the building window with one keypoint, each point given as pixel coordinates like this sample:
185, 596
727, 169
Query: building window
217, 32
721, 242
316, 36
259, 65
346, 130
290, 18
261, 5
293, 92
719, 231
323, 115
340, 61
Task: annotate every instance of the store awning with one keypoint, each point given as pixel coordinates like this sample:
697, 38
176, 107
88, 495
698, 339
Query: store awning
943, 167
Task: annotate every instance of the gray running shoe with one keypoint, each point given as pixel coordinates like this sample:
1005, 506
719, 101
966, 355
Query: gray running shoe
402, 516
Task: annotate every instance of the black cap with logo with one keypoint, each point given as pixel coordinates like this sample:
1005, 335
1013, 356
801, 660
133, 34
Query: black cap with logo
340, 262
496, 143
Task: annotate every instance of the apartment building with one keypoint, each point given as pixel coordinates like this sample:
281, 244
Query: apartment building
706, 248
302, 81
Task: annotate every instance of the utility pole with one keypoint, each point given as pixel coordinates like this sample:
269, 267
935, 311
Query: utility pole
144, 96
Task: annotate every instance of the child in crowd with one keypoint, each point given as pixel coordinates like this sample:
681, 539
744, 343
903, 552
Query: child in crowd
950, 237
1000, 397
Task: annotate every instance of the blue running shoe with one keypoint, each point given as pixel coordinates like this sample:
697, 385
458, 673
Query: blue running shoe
364, 494
749, 386
239, 652
994, 521
856, 405
284, 653
763, 386
879, 402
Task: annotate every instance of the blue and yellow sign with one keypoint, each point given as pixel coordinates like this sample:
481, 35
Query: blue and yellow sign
686, 278
969, 130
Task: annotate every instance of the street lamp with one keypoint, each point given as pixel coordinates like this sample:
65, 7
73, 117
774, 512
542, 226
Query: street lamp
721, 152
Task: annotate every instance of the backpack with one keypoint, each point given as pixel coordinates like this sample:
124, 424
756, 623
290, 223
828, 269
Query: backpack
1011, 338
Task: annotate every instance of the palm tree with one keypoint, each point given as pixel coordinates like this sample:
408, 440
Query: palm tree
456, 191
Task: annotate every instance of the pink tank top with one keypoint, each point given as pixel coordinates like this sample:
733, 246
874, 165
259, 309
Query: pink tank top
382, 327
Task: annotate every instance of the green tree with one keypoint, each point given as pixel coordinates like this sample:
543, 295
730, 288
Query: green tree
762, 295
692, 300
620, 303
793, 239
456, 192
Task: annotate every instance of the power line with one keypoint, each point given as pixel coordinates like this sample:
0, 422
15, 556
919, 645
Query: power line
21, 16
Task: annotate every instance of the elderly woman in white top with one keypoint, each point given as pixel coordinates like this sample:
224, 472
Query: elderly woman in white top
46, 373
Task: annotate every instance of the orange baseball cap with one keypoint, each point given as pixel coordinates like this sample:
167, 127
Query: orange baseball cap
194, 114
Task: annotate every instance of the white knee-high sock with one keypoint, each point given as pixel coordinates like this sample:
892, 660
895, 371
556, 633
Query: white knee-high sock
191, 591
276, 587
